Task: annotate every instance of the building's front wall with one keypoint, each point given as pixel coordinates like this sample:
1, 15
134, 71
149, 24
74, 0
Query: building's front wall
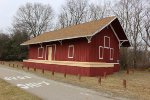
60, 50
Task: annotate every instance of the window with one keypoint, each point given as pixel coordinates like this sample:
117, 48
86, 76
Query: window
111, 53
40, 52
71, 51
101, 50
106, 41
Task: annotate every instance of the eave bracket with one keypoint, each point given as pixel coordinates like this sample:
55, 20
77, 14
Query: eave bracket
89, 38
122, 41
60, 41
41, 45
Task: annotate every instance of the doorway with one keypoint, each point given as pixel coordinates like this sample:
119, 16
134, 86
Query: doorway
50, 53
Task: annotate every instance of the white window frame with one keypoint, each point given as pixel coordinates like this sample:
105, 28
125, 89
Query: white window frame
105, 42
70, 46
42, 52
100, 52
112, 54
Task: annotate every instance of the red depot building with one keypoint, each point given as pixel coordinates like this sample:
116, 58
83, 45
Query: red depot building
88, 49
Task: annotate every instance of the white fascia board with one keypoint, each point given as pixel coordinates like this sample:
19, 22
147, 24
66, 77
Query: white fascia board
115, 33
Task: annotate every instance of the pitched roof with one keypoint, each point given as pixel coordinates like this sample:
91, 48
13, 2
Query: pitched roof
75, 31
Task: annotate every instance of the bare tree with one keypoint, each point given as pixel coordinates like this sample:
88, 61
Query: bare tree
34, 18
145, 34
80, 11
130, 13
122, 10
98, 11
73, 12
146, 26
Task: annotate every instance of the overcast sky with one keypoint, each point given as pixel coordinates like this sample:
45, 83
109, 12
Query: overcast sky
8, 9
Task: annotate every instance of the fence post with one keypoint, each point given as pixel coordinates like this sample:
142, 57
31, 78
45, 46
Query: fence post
13, 65
65, 75
34, 69
43, 71
28, 68
127, 71
99, 80
53, 73
22, 67
124, 83
79, 77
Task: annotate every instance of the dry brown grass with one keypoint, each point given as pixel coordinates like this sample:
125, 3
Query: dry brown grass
9, 92
138, 83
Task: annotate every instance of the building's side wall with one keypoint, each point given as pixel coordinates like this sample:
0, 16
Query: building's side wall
98, 40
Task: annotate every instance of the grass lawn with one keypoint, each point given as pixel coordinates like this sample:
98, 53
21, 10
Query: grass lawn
138, 83
9, 92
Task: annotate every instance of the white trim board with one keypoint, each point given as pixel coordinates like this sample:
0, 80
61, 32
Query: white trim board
100, 52
42, 52
69, 51
105, 41
115, 33
112, 53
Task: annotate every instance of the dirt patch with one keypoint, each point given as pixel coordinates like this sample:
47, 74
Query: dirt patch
138, 82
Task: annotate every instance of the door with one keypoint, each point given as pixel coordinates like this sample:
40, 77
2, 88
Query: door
49, 53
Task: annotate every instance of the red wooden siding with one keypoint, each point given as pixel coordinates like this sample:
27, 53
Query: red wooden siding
81, 51
98, 40
33, 52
